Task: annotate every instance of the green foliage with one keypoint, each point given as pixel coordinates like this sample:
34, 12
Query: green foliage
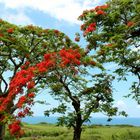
80, 94
19, 44
116, 38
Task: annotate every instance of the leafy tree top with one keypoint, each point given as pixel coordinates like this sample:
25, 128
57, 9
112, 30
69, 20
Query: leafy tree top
113, 30
26, 44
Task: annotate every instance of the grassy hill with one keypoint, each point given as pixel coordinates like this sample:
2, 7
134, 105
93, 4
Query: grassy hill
45, 131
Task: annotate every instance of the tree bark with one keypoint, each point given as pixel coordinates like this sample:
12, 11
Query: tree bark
77, 132
2, 131
78, 121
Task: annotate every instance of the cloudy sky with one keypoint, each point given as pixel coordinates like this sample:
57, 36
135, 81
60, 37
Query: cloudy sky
62, 15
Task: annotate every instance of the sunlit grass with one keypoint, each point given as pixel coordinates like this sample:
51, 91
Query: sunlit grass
53, 132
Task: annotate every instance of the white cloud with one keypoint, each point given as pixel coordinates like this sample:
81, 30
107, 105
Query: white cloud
67, 10
121, 105
17, 18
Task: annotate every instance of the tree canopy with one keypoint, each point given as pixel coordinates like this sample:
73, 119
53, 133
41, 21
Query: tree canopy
40, 58
113, 31
37, 58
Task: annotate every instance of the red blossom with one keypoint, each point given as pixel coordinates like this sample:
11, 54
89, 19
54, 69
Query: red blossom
31, 95
21, 114
42, 69
26, 110
104, 6
97, 8
90, 28
78, 55
77, 62
57, 32
69, 56
25, 78
21, 101
27, 63
15, 128
1, 35
31, 85
10, 30
100, 12
47, 56
130, 24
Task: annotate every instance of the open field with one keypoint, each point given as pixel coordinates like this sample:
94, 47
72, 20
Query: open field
52, 132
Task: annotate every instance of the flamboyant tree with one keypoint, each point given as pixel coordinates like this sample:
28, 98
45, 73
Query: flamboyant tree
38, 58
113, 31
64, 73
21, 47
23, 86
81, 90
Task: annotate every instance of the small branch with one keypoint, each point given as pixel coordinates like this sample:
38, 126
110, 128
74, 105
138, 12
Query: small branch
10, 57
94, 106
35, 45
6, 84
13, 109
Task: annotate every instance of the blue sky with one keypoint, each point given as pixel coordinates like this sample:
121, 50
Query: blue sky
62, 15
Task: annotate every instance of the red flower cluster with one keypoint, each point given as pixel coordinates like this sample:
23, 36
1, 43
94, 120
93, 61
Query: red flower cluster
100, 9
25, 78
48, 62
1, 35
15, 128
21, 101
23, 113
90, 28
31, 85
57, 32
26, 110
31, 95
103, 7
69, 57
27, 63
10, 30
100, 12
130, 24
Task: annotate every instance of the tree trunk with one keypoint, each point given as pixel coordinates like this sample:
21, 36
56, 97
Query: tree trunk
2, 131
78, 121
77, 133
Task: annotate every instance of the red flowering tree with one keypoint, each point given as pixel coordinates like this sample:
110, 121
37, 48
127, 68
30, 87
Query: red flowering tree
35, 58
64, 73
20, 48
80, 89
113, 31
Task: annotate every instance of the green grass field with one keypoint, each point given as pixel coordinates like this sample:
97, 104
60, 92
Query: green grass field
52, 132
